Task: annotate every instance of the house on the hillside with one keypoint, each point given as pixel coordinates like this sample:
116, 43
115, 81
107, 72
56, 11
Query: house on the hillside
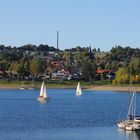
62, 75
58, 75
105, 74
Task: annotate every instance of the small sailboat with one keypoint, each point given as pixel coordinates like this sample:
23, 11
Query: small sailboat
43, 93
22, 87
32, 85
78, 90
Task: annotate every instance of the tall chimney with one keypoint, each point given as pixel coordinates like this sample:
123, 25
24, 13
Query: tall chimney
57, 40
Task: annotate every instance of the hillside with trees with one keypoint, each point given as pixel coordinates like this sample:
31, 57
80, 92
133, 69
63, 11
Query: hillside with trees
120, 65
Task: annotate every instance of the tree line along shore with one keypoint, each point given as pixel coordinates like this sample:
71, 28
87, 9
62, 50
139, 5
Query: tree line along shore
120, 65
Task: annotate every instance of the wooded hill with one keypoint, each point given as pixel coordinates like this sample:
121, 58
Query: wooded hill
120, 64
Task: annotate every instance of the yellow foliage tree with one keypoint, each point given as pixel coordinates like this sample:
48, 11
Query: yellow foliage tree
122, 76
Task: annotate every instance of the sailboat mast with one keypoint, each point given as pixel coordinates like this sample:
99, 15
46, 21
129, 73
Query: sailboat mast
130, 109
135, 105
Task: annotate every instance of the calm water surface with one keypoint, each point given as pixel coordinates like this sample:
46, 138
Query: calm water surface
91, 116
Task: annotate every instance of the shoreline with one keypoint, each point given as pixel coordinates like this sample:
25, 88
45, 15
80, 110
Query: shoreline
114, 88
96, 88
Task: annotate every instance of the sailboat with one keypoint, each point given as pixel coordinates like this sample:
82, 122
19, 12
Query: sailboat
132, 121
130, 112
22, 87
32, 85
43, 93
78, 90
127, 106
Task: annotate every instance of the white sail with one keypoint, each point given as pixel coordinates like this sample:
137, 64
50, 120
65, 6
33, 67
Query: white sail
42, 89
78, 90
45, 92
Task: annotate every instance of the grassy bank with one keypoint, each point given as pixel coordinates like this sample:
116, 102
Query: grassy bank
51, 84
94, 85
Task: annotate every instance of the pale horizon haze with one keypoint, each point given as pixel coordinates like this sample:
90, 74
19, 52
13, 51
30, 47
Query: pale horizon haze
99, 23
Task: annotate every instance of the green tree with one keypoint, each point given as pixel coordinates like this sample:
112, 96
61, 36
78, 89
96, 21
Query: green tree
17, 68
78, 49
135, 66
4, 65
37, 67
67, 55
20, 69
88, 70
135, 70
85, 54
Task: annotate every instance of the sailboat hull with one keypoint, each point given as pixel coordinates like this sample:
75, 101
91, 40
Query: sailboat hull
22, 88
121, 125
42, 99
78, 94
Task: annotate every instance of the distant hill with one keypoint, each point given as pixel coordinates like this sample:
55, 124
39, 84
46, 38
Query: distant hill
100, 54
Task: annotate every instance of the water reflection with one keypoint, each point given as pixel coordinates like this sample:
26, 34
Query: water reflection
127, 135
138, 133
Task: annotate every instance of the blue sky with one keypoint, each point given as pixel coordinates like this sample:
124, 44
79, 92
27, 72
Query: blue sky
99, 23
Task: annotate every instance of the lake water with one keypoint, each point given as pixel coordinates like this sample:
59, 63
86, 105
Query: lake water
91, 116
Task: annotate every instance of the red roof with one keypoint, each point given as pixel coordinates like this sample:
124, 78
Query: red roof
101, 71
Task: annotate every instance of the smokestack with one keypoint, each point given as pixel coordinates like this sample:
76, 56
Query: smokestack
57, 40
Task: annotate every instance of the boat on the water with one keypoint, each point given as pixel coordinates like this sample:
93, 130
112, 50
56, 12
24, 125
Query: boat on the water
132, 122
22, 86
132, 126
43, 93
32, 85
78, 89
121, 124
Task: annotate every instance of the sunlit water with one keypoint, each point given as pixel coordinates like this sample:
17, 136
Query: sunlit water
91, 116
